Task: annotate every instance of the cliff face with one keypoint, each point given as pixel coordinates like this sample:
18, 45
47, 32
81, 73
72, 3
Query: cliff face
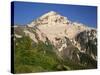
71, 40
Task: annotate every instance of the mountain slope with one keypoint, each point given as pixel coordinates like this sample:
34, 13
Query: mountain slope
69, 41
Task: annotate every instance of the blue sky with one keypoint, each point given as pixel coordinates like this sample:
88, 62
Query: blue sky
25, 12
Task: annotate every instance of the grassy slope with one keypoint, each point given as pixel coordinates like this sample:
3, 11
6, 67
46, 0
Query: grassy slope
32, 57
